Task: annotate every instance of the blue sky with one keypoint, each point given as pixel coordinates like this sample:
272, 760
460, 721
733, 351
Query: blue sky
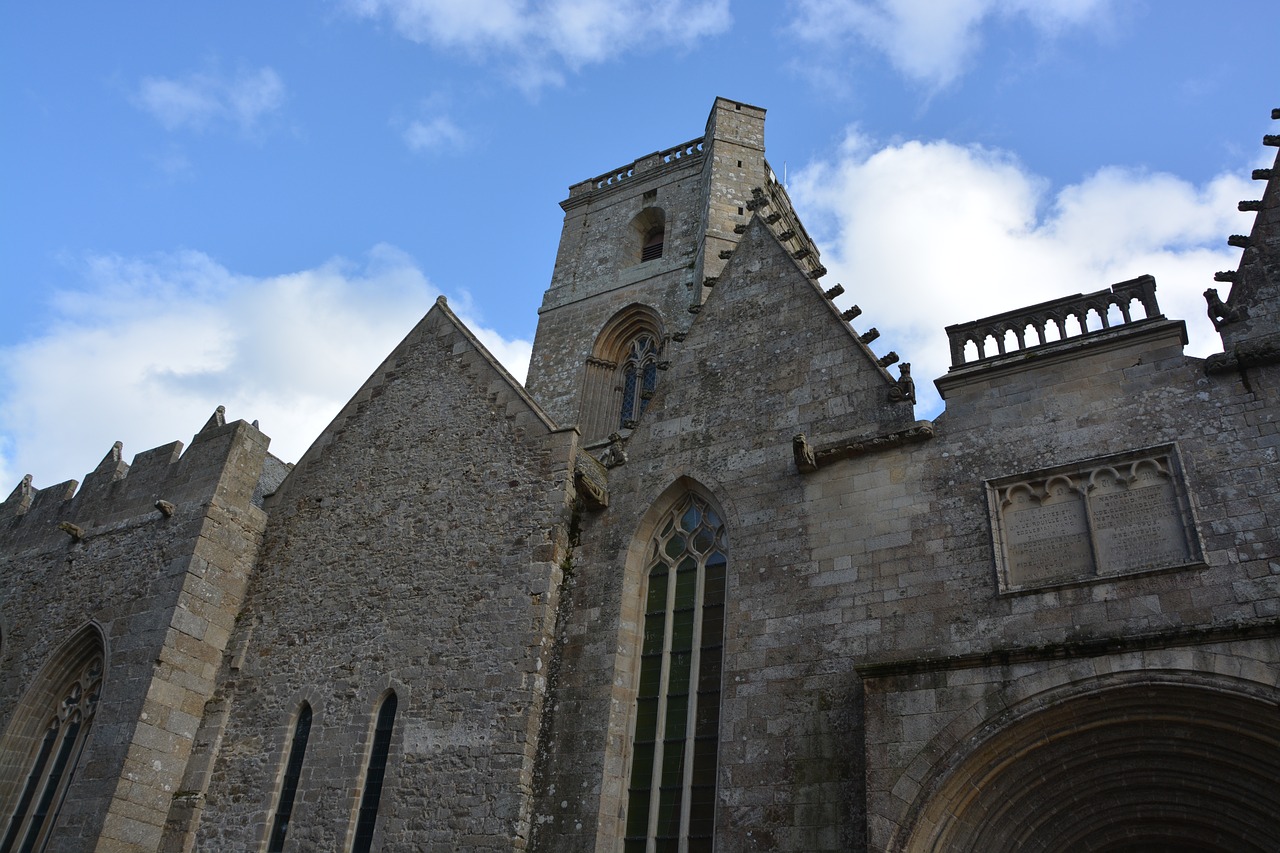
249, 204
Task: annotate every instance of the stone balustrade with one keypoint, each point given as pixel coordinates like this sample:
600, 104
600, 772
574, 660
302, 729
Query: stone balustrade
1031, 326
692, 148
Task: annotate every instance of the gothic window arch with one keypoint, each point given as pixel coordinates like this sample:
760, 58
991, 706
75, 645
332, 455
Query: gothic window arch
292, 775
675, 736
48, 734
621, 375
375, 772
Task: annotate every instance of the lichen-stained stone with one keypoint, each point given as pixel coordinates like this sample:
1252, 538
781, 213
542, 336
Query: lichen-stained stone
1049, 619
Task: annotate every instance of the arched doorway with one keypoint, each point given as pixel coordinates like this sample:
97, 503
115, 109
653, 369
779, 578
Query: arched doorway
1152, 764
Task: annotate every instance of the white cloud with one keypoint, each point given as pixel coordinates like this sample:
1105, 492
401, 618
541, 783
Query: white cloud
930, 41
927, 234
433, 134
201, 100
534, 39
146, 348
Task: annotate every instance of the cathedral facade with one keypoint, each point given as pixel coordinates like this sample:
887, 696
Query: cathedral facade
704, 582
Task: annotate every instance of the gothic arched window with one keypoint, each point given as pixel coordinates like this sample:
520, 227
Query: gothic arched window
292, 773
374, 775
639, 379
671, 799
53, 763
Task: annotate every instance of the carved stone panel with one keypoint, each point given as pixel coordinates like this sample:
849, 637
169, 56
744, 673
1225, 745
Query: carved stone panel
1110, 516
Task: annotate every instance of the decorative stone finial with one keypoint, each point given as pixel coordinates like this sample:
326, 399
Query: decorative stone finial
1239, 241
869, 335
217, 419
112, 459
833, 292
888, 359
849, 313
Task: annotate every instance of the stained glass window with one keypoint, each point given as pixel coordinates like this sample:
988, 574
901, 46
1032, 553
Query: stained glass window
54, 762
671, 800
639, 380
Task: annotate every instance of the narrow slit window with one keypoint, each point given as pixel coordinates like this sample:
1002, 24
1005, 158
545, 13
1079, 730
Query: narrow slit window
671, 800
373, 776
289, 788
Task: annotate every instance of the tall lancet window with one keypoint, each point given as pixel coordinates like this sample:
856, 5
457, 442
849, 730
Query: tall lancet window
639, 379
374, 775
52, 766
671, 801
289, 786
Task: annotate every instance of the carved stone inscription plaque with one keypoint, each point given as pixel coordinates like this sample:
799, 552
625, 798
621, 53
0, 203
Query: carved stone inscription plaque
1111, 516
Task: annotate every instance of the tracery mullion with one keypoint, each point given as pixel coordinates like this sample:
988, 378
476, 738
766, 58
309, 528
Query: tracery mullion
663, 699
695, 667
20, 815
37, 823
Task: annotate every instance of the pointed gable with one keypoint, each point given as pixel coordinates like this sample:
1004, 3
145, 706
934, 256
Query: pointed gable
439, 384
769, 353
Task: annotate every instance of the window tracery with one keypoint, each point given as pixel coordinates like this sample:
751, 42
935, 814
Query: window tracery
671, 799
54, 762
639, 379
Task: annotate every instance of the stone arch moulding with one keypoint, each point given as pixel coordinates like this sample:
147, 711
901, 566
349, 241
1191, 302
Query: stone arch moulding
603, 379
22, 737
1164, 759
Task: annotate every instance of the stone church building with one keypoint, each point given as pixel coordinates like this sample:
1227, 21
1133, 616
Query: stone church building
704, 582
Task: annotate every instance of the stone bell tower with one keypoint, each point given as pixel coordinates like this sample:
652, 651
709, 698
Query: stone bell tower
640, 247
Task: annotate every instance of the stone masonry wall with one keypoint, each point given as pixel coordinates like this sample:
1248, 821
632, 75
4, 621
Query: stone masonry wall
768, 357
415, 548
885, 559
164, 591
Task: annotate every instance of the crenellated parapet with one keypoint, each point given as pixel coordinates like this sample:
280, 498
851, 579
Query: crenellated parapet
1078, 316
158, 483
